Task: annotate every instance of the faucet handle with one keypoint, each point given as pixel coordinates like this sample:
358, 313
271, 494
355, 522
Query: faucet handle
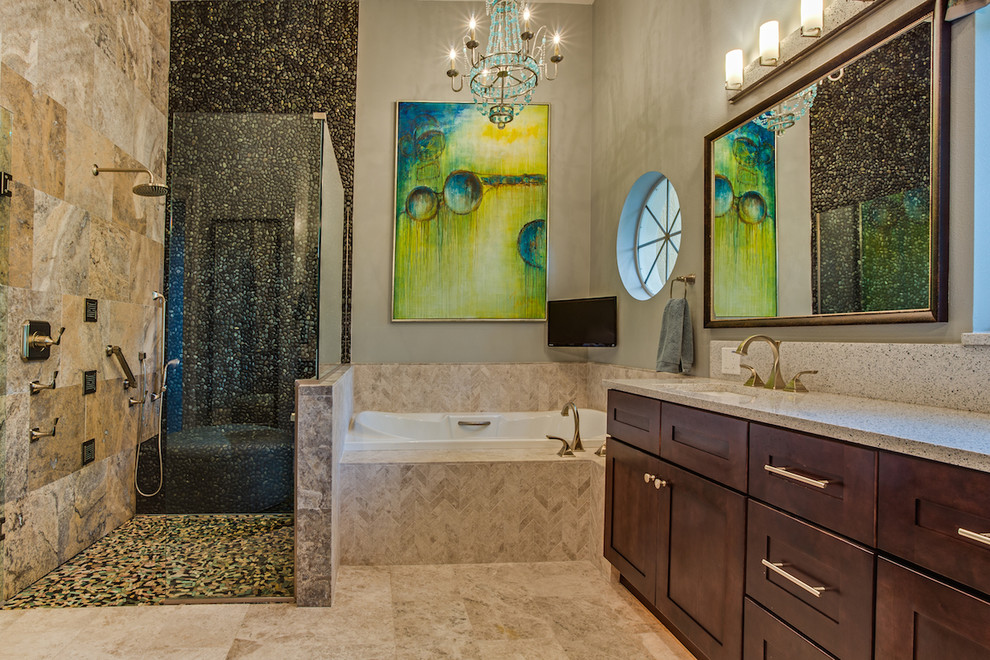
795, 384
754, 379
566, 449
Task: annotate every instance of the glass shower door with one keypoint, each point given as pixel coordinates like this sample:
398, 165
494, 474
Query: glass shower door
242, 283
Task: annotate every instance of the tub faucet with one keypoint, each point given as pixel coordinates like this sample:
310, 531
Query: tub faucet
576, 443
775, 381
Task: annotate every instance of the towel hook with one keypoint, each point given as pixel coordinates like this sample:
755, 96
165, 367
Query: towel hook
686, 279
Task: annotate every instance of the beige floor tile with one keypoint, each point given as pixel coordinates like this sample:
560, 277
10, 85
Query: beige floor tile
664, 646
545, 611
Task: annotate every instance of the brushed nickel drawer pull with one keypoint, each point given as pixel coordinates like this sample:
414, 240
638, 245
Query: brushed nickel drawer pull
778, 569
786, 472
974, 536
463, 423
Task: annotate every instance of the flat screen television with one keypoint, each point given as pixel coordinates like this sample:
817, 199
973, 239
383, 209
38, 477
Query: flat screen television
582, 322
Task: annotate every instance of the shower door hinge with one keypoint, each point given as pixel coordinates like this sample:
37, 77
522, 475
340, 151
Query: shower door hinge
5, 180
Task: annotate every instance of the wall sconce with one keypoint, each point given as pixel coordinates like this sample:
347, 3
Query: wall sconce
812, 18
770, 43
734, 69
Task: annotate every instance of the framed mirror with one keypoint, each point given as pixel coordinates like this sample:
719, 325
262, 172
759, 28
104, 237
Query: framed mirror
827, 204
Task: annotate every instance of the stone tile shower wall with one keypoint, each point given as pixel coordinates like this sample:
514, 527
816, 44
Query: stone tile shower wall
80, 83
273, 56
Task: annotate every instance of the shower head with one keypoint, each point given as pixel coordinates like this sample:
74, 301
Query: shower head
150, 189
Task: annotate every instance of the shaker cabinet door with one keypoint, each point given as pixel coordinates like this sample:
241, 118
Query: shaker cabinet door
919, 618
632, 503
702, 546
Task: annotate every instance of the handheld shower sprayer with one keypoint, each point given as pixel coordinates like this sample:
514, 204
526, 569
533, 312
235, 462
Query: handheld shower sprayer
157, 297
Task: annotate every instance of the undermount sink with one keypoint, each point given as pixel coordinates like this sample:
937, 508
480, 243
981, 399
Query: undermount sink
725, 392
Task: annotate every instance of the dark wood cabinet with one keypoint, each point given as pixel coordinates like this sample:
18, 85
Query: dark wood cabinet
816, 581
919, 618
936, 516
759, 542
766, 637
635, 420
632, 506
829, 483
710, 444
700, 561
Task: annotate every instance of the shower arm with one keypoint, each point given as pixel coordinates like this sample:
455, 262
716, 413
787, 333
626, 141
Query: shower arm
97, 170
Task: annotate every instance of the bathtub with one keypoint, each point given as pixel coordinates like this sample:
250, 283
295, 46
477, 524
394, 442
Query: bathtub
371, 430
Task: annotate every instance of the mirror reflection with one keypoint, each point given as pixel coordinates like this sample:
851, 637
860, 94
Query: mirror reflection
821, 204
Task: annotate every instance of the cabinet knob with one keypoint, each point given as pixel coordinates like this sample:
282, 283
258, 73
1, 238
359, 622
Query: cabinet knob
647, 478
659, 483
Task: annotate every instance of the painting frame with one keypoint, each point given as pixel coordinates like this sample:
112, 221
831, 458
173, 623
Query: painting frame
534, 295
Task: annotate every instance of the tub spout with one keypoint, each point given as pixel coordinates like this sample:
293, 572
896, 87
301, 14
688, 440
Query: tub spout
568, 408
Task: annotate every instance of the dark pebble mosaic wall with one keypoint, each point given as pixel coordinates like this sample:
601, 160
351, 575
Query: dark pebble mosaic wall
870, 142
273, 56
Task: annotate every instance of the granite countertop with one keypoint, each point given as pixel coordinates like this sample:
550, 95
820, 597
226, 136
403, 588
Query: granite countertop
941, 434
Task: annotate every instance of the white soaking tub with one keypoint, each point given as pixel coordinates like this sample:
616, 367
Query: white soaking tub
371, 430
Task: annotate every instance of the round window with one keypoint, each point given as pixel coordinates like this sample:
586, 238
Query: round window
649, 236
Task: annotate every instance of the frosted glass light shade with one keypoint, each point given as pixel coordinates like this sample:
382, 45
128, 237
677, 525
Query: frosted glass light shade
812, 18
734, 69
769, 43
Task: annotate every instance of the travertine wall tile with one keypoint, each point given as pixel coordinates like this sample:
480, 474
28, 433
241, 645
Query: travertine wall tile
85, 83
469, 387
449, 513
323, 411
597, 372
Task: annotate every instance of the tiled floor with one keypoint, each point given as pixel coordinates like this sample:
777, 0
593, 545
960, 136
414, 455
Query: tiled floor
151, 558
547, 611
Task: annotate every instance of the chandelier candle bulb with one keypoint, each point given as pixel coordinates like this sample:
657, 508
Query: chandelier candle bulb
770, 43
734, 69
812, 18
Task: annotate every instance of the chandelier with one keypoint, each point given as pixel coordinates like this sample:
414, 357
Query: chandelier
789, 111
503, 78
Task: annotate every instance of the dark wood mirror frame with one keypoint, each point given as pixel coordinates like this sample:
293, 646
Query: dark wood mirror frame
938, 280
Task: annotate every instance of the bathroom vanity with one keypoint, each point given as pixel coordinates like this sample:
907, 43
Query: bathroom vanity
759, 524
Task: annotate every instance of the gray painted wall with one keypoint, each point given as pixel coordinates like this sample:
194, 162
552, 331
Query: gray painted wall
658, 74
402, 48
657, 71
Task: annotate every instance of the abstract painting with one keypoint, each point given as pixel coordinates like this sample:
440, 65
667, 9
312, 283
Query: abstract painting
471, 204
744, 229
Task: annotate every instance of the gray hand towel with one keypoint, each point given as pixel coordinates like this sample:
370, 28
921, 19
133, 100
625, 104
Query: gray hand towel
676, 351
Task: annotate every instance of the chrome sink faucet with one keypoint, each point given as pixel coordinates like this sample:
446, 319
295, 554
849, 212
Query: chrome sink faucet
576, 443
775, 381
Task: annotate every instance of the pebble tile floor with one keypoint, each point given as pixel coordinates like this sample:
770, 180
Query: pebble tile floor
547, 611
151, 558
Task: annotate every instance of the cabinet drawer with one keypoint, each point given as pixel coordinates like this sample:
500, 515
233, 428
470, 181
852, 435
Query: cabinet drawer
936, 516
710, 444
919, 618
839, 618
824, 481
635, 420
765, 637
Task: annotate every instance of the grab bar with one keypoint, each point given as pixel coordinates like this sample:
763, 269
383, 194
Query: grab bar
463, 423
129, 376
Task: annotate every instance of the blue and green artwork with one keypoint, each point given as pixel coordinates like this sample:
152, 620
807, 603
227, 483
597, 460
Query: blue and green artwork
470, 214
744, 226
